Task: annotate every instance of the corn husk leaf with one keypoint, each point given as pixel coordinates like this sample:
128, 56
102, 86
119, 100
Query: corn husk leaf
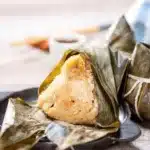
138, 82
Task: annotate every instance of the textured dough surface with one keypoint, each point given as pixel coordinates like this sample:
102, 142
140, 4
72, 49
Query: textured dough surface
71, 97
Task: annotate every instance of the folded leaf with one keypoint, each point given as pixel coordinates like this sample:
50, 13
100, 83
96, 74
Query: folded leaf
121, 44
121, 37
23, 126
138, 82
67, 135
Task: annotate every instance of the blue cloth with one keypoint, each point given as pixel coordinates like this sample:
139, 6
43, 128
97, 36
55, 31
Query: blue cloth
141, 24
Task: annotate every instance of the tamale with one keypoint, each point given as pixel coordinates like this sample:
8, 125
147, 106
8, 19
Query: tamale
78, 89
138, 82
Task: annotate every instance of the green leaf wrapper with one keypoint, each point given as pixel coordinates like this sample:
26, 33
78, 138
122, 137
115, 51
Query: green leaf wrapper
22, 127
121, 43
138, 82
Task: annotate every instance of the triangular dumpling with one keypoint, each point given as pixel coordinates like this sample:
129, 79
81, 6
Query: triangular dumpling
71, 96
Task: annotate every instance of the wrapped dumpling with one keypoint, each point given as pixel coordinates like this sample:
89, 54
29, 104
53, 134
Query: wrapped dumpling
74, 91
71, 94
138, 82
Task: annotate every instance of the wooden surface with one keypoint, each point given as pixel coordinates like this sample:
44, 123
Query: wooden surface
24, 67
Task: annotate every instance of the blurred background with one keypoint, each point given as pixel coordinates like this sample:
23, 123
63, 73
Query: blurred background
20, 67
23, 17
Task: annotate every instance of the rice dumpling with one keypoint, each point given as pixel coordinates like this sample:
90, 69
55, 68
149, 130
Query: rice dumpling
138, 82
73, 93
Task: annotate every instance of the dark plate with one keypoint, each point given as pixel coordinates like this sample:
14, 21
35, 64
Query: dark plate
128, 132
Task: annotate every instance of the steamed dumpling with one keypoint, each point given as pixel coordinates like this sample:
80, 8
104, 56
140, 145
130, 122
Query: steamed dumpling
71, 95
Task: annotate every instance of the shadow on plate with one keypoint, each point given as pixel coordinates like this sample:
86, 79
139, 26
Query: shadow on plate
144, 124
